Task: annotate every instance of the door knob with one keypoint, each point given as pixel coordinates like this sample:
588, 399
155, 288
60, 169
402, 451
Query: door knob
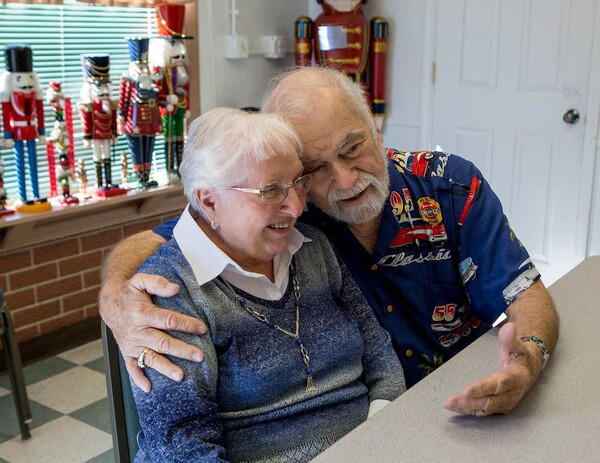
571, 116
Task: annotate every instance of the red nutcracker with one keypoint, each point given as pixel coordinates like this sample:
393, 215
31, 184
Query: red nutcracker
60, 143
99, 120
138, 114
23, 113
341, 37
168, 60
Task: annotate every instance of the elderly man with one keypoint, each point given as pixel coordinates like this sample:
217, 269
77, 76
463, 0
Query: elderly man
423, 234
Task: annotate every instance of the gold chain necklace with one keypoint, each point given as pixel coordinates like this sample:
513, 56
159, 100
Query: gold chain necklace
310, 388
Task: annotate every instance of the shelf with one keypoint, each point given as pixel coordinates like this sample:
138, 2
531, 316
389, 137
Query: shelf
21, 230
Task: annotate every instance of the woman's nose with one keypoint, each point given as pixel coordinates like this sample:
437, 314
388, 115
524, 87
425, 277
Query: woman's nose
294, 204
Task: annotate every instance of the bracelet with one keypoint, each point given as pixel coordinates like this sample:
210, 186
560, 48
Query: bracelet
538, 342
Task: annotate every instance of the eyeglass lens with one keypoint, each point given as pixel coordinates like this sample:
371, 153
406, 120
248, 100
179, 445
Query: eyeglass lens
277, 193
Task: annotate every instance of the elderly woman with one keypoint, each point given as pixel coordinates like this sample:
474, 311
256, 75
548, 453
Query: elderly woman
294, 357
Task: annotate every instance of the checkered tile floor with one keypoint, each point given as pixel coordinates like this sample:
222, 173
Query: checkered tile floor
67, 396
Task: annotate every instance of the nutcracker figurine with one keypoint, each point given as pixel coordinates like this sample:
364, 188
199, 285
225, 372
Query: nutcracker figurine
139, 117
60, 143
99, 120
82, 177
342, 38
168, 60
65, 179
23, 113
124, 168
3, 210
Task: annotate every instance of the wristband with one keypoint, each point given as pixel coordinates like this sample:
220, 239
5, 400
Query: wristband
541, 345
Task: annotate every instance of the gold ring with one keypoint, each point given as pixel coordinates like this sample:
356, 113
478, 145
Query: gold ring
142, 358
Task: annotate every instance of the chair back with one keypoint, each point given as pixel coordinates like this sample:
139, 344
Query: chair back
124, 417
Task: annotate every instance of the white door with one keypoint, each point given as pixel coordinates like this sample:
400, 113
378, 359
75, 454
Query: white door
507, 72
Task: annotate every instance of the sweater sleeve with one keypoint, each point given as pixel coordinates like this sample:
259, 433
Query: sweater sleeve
179, 420
382, 371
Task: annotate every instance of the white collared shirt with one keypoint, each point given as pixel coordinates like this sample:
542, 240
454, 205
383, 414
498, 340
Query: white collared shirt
208, 261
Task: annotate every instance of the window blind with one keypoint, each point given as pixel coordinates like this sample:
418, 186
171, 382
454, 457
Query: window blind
58, 35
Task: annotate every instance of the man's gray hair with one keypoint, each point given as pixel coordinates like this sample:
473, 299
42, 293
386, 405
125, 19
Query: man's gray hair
224, 143
297, 94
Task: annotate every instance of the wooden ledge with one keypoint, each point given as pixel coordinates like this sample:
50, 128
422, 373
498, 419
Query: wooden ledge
20, 230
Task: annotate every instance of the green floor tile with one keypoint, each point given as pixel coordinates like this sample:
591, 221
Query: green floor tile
106, 457
97, 365
95, 414
10, 425
41, 370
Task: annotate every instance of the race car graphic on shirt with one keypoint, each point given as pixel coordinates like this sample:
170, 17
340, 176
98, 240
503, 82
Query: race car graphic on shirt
449, 339
468, 270
431, 233
528, 276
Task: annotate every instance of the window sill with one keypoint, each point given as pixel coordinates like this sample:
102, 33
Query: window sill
21, 230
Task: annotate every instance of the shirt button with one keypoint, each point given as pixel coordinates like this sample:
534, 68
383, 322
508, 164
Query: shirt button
409, 352
374, 267
390, 308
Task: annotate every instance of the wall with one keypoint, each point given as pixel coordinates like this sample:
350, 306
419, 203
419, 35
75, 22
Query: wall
239, 83
594, 230
405, 68
55, 285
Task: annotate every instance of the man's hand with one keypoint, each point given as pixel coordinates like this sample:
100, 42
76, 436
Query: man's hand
520, 367
136, 324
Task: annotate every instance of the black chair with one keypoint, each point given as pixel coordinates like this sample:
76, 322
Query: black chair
124, 417
15, 368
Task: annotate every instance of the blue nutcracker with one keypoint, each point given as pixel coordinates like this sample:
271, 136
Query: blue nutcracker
138, 112
23, 120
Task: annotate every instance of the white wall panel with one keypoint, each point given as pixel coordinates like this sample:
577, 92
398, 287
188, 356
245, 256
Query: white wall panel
544, 30
476, 146
479, 43
402, 136
534, 158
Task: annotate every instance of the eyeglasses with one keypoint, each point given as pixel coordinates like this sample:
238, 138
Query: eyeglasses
276, 193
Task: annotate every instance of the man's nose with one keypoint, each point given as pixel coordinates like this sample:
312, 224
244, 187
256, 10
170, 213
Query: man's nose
344, 176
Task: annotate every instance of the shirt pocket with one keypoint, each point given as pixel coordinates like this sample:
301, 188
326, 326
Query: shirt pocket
449, 313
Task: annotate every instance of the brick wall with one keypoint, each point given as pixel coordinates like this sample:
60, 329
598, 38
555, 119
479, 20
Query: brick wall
54, 285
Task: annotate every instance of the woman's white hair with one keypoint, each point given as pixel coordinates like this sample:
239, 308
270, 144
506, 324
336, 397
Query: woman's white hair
224, 143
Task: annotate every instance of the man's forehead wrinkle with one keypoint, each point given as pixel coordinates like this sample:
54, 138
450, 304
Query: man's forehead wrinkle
352, 136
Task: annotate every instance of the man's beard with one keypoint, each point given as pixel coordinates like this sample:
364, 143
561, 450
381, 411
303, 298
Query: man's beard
370, 206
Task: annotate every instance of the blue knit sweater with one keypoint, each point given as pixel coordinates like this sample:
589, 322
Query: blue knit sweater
247, 401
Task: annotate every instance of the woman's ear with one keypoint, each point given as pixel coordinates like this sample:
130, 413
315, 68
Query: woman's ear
207, 200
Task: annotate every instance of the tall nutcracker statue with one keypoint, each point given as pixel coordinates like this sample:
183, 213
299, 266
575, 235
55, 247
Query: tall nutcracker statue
59, 144
99, 120
138, 114
342, 38
23, 114
168, 60
3, 197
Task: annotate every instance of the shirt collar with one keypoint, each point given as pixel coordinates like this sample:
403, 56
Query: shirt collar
208, 261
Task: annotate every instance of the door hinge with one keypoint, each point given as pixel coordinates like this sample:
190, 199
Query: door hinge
433, 73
